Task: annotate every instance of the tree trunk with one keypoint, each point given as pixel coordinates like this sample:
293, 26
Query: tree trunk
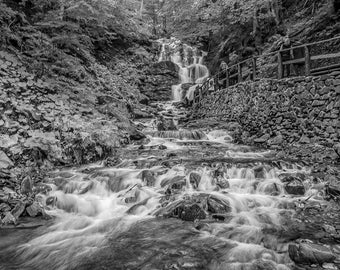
276, 7
141, 8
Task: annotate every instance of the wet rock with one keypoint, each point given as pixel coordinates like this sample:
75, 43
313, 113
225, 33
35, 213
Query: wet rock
286, 178
201, 226
27, 186
86, 188
9, 219
113, 161
51, 201
64, 174
263, 265
162, 147
272, 189
304, 140
7, 141
295, 187
262, 139
222, 217
337, 149
332, 192
260, 172
41, 188
136, 135
148, 177
276, 140
34, 209
330, 266
4, 207
177, 185
191, 212
308, 253
171, 155
217, 205
139, 114
5, 162
18, 209
130, 199
222, 183
194, 179
218, 172
165, 124
173, 180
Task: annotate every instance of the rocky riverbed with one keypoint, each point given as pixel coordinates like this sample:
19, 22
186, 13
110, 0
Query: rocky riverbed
177, 199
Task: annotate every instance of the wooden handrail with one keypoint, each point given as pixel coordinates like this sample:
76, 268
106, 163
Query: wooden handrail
252, 72
310, 44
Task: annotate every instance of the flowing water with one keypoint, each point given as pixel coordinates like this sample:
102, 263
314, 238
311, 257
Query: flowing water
131, 216
187, 199
191, 70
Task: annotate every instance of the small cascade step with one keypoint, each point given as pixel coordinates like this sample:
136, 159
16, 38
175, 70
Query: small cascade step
180, 134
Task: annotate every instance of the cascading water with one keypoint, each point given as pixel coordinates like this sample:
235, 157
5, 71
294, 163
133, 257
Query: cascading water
160, 209
191, 72
186, 199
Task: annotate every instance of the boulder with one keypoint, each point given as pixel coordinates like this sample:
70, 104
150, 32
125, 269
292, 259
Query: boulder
262, 139
9, 219
51, 201
164, 124
222, 183
166, 65
27, 186
34, 209
309, 253
276, 140
194, 179
191, 212
4, 207
332, 192
18, 209
217, 205
272, 189
148, 177
136, 135
7, 141
5, 162
295, 187
173, 180
259, 172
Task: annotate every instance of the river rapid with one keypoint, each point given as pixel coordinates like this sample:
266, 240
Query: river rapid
181, 199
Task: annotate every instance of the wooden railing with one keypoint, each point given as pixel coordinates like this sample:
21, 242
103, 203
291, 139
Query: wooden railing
310, 59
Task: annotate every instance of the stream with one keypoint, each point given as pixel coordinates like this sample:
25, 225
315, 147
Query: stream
182, 199
161, 208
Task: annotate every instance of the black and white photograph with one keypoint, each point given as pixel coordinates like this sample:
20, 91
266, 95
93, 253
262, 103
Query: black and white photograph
169, 134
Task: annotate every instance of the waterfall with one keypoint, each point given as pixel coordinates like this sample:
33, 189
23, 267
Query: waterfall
192, 71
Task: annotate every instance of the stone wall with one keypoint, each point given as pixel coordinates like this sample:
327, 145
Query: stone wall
277, 112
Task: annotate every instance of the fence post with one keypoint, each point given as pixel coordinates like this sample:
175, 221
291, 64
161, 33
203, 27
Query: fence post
254, 68
307, 61
216, 86
279, 66
239, 69
227, 77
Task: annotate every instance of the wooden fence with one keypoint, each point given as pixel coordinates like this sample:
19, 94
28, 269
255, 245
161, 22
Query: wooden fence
310, 59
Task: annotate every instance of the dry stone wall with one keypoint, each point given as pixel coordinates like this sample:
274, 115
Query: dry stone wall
272, 112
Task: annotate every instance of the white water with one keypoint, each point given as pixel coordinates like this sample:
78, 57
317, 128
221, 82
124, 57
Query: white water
190, 63
91, 208
113, 217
